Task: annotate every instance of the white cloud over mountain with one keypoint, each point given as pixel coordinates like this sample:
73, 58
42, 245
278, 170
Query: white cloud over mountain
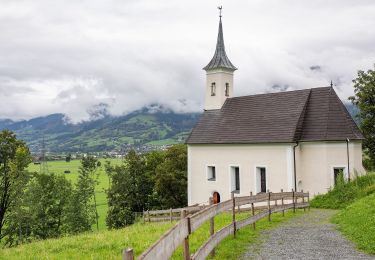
71, 56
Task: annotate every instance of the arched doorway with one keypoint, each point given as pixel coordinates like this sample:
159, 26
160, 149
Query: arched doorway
216, 197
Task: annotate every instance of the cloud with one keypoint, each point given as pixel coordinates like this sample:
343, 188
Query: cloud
71, 56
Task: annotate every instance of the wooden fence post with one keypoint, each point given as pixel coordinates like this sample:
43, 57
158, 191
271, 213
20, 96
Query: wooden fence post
144, 216
186, 240
148, 215
127, 254
234, 214
252, 209
294, 202
212, 226
282, 201
308, 199
269, 205
303, 200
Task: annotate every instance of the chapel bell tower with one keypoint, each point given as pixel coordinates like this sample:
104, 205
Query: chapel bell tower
219, 75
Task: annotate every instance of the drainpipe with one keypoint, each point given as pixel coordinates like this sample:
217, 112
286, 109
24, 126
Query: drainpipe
347, 155
295, 169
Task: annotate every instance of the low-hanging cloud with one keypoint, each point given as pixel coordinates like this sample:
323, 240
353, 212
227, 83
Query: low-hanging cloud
74, 57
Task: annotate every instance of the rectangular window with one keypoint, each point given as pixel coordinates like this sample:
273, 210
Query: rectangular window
213, 89
263, 185
211, 173
235, 179
237, 173
227, 89
261, 179
338, 174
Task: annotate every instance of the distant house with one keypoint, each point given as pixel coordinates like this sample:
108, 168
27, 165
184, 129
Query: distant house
289, 140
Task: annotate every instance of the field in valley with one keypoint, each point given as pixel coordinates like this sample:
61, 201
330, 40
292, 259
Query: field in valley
59, 167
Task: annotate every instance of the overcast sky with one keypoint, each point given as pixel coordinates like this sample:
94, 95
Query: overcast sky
69, 56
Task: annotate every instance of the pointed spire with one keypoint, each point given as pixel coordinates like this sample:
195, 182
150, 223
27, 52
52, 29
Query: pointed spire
220, 58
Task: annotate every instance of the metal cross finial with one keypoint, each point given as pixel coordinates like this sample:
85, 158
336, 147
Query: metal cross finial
331, 83
220, 7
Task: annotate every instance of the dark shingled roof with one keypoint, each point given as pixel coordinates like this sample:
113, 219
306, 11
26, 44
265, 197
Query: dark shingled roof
220, 58
303, 115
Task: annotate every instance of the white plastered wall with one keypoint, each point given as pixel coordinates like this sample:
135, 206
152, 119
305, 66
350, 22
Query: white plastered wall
246, 157
316, 161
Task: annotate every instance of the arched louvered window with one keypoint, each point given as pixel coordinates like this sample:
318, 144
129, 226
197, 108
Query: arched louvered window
213, 89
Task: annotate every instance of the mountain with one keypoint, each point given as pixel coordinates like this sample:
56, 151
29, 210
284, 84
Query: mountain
148, 126
152, 125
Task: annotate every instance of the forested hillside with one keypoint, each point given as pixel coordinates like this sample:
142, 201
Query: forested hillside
142, 127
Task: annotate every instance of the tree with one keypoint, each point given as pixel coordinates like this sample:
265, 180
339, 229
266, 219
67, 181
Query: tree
83, 209
152, 160
43, 210
68, 158
171, 177
47, 199
129, 191
14, 159
364, 99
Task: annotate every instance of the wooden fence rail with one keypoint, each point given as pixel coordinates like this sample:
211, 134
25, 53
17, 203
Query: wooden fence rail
169, 214
179, 233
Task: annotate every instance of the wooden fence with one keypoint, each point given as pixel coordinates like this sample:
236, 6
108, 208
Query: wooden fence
169, 214
179, 234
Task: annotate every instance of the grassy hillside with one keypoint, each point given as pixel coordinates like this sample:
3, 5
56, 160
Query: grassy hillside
346, 193
72, 166
356, 219
357, 222
109, 244
148, 126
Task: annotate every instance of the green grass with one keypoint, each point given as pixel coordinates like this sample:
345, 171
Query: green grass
167, 141
346, 193
109, 244
356, 219
59, 167
357, 222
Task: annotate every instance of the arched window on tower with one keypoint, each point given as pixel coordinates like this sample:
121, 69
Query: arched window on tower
213, 89
227, 89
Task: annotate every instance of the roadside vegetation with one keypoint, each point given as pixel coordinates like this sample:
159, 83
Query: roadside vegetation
139, 236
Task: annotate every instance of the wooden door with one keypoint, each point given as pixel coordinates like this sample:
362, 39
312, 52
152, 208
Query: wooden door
216, 196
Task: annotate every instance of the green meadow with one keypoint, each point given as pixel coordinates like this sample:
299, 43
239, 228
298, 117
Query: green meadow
59, 167
108, 244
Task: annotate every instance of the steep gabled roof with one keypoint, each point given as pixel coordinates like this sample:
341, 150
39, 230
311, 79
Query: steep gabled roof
302, 115
220, 58
326, 118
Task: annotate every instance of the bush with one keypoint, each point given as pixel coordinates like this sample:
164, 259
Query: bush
345, 193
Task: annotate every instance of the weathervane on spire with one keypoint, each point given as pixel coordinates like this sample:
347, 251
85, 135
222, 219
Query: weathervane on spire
220, 7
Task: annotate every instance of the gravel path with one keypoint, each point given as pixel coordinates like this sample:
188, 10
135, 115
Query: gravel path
309, 236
